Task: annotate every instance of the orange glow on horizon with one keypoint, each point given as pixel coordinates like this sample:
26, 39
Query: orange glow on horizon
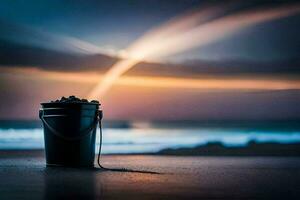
227, 83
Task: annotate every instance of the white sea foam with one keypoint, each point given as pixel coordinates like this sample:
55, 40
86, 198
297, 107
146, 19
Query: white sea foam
152, 139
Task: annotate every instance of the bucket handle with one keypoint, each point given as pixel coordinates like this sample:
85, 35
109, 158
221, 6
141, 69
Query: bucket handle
57, 133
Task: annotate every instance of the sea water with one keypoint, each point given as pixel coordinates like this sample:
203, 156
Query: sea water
151, 139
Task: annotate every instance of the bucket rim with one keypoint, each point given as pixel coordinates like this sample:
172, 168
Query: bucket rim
74, 103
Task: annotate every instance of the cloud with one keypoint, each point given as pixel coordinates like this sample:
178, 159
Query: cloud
25, 46
13, 54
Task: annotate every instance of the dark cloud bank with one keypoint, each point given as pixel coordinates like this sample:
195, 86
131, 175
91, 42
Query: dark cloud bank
13, 54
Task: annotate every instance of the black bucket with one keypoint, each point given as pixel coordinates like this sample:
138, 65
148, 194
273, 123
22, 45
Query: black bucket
70, 133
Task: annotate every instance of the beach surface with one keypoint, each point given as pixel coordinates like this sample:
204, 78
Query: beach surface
24, 175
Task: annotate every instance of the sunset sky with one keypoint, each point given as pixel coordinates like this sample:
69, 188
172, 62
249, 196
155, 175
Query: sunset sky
191, 60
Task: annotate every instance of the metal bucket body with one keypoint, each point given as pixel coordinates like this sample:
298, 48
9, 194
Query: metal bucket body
70, 133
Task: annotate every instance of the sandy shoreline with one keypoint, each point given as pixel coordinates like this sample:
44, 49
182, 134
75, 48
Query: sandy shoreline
24, 176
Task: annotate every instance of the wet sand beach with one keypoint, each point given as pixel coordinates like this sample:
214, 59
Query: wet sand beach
25, 176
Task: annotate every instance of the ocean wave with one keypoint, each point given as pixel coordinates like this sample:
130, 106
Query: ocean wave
152, 139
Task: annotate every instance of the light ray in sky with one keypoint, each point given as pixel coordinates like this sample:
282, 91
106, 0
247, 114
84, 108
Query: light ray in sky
184, 33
